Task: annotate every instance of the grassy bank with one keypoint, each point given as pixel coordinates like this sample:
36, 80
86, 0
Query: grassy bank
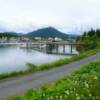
33, 68
83, 84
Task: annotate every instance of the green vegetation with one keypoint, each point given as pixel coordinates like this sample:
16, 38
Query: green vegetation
31, 66
7, 35
90, 40
83, 84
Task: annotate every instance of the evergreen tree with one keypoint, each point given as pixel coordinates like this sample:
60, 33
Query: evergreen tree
91, 33
98, 33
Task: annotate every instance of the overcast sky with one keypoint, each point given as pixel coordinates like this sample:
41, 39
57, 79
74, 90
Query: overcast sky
65, 15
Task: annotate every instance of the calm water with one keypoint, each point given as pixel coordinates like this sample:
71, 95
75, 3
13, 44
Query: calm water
13, 58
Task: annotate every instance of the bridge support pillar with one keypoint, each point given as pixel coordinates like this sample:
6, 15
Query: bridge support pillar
46, 48
71, 48
57, 48
64, 49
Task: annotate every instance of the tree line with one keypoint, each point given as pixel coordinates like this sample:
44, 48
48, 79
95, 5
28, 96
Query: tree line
7, 35
89, 40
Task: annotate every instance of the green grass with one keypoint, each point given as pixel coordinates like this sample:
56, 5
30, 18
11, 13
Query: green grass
33, 68
82, 84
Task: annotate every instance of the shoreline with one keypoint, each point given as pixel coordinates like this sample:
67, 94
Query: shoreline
34, 68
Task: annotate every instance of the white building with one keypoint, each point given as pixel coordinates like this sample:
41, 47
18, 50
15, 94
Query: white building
58, 39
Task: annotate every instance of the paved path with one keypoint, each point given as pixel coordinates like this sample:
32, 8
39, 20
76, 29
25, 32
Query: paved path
18, 85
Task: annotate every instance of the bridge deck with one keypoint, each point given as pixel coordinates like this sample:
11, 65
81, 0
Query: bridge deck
59, 43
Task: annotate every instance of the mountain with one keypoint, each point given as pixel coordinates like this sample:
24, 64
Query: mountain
47, 32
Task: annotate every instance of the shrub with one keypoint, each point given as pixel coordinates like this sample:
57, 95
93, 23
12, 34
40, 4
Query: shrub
31, 66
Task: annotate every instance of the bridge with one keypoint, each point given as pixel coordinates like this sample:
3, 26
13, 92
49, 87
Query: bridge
54, 47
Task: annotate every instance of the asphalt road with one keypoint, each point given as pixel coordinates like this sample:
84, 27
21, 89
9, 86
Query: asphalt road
18, 85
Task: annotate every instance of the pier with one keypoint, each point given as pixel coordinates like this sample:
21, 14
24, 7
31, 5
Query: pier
54, 47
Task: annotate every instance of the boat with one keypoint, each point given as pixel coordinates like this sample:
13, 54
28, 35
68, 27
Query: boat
23, 46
